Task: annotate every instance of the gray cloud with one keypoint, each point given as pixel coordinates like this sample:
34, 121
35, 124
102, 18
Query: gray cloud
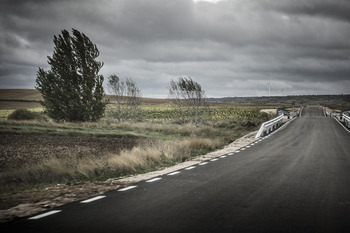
233, 48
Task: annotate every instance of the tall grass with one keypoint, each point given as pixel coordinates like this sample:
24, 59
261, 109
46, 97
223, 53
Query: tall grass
167, 143
153, 155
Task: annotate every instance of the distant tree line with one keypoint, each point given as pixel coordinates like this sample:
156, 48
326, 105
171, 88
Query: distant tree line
72, 88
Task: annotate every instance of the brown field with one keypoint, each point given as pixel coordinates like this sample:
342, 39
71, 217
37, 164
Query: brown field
18, 151
45, 164
29, 98
20, 94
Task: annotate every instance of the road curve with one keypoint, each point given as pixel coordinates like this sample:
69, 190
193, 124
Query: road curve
296, 180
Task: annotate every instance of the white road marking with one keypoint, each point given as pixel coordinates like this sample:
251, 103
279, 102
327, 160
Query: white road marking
243, 148
224, 156
174, 173
153, 180
204, 163
189, 168
127, 188
248, 146
93, 199
342, 125
44, 215
237, 151
230, 153
214, 160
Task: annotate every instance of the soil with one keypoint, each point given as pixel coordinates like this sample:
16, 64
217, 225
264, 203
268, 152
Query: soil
17, 151
37, 200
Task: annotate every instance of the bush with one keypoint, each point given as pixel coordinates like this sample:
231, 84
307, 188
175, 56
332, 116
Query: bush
24, 114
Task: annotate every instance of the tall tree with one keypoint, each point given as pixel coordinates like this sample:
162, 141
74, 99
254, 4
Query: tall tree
72, 89
189, 98
127, 97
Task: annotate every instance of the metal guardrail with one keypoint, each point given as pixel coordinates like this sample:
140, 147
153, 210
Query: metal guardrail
346, 121
268, 126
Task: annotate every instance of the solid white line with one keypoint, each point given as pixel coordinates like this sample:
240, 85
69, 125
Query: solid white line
153, 180
213, 160
204, 163
174, 173
127, 188
93, 199
44, 215
189, 168
341, 125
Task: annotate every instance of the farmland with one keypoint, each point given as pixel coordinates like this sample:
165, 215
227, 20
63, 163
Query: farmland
41, 159
42, 152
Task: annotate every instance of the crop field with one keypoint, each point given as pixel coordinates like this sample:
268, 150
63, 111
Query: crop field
40, 153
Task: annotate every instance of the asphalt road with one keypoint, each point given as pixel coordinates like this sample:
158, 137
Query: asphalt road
296, 180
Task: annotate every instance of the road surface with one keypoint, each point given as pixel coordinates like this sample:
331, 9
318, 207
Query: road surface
296, 180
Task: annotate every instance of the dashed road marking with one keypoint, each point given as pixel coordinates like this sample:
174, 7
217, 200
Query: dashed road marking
204, 163
44, 215
214, 160
224, 156
189, 168
173, 173
230, 153
243, 148
92, 199
237, 151
153, 180
127, 188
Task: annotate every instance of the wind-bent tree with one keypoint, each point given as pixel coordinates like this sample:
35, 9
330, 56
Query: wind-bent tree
127, 98
189, 99
72, 89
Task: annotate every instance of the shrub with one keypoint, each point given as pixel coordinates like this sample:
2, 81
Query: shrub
24, 114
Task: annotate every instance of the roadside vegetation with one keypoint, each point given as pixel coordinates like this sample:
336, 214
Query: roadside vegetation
41, 152
79, 134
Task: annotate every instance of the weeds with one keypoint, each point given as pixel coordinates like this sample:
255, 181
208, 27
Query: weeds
46, 152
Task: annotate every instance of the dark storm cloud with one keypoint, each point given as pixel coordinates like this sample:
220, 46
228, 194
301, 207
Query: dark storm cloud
334, 9
232, 47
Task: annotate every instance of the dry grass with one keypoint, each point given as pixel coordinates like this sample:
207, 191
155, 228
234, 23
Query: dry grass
149, 156
42, 152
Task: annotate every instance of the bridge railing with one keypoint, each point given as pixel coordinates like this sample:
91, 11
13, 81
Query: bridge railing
268, 126
346, 121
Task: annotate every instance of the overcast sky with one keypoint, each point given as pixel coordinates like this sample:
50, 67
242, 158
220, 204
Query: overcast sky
230, 47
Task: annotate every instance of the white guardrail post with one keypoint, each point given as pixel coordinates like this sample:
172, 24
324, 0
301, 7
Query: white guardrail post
346, 120
268, 126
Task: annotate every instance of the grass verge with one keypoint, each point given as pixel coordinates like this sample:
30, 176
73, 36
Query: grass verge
39, 153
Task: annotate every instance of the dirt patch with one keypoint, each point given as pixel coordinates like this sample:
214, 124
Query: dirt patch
25, 150
37, 200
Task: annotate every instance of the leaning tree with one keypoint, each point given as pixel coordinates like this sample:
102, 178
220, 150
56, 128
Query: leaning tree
127, 98
189, 99
72, 89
